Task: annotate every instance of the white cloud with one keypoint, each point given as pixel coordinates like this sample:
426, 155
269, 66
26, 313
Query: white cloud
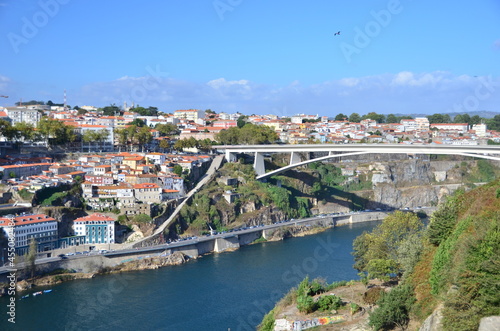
222, 82
4, 82
403, 92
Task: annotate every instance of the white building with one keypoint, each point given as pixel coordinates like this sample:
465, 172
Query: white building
25, 228
97, 229
480, 129
409, 125
422, 123
189, 114
21, 114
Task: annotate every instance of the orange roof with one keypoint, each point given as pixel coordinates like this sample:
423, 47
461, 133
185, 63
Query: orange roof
26, 219
94, 217
146, 185
13, 166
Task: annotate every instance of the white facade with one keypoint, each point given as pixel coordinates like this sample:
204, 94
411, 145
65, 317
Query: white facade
39, 227
18, 115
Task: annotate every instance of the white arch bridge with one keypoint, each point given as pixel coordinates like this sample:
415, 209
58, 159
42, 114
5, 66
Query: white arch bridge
336, 151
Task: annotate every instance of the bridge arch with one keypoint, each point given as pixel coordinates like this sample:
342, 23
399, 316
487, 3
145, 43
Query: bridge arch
484, 152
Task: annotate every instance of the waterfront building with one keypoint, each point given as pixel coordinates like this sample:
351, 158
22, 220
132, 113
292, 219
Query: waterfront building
25, 228
97, 229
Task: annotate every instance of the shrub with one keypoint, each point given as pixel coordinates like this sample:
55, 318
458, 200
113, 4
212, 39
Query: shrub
372, 295
393, 309
329, 302
267, 323
316, 287
354, 307
306, 304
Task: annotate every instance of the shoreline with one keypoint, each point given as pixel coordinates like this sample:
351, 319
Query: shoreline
156, 262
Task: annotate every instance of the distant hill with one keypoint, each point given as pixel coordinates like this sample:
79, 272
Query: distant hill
481, 113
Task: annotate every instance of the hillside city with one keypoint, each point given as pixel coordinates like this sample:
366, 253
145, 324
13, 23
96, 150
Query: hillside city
132, 160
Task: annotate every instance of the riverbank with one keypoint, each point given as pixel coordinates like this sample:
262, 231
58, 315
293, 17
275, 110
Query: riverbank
240, 286
159, 261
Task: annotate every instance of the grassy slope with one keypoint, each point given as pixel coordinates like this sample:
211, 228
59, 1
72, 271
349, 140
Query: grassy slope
463, 272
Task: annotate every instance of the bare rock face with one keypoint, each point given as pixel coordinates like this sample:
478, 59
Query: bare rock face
491, 323
434, 321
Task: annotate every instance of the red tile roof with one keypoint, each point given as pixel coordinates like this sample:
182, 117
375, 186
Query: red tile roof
26, 219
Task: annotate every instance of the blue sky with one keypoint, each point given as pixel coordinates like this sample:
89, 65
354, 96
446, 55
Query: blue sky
279, 57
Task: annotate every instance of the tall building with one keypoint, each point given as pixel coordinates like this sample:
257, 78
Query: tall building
21, 114
190, 114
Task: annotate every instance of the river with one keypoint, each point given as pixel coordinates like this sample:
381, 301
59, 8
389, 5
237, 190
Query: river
227, 291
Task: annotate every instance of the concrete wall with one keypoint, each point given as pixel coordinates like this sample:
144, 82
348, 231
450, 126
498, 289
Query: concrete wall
249, 238
222, 244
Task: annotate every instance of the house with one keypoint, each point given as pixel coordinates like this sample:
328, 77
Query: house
148, 192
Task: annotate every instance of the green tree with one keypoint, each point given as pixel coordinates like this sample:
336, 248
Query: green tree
167, 129
123, 137
31, 256
111, 110
142, 218
138, 122
493, 123
462, 118
177, 170
6, 130
379, 118
354, 118
241, 121
250, 134
439, 118
391, 118
55, 132
341, 117
144, 136
164, 144
23, 131
89, 136
376, 253
393, 309
151, 111
476, 119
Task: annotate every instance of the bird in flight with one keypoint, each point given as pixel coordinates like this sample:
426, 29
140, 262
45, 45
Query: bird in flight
337, 33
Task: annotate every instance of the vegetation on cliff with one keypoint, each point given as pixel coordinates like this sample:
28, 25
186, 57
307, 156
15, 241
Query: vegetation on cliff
452, 262
209, 209
458, 265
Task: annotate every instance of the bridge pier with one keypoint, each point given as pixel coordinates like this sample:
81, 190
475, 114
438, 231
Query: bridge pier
222, 244
258, 164
230, 157
295, 158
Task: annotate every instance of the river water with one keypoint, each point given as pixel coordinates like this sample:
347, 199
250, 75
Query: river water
227, 291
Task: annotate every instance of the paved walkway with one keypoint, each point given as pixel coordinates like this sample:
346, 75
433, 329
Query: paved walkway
216, 164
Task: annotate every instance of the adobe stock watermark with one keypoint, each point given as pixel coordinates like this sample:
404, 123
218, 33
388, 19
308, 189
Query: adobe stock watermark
223, 6
483, 91
291, 277
364, 36
139, 92
12, 276
32, 26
